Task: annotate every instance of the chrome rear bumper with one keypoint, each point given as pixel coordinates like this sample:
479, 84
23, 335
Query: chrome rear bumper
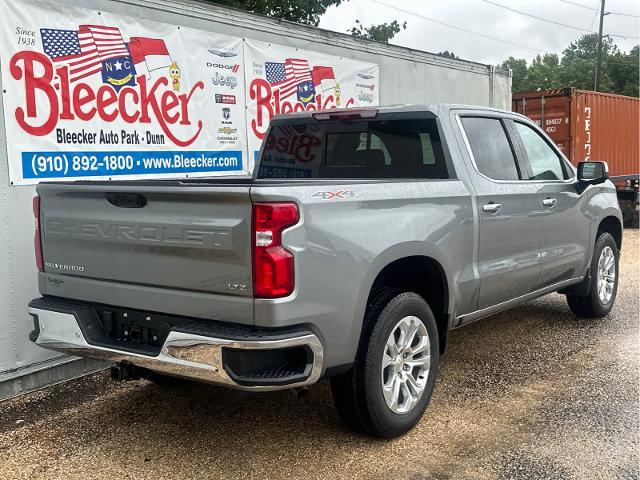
183, 354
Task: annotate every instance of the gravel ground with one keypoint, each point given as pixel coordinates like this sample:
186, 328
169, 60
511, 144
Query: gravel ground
530, 393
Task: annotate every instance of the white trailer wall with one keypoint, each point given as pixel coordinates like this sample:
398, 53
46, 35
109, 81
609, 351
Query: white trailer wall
406, 76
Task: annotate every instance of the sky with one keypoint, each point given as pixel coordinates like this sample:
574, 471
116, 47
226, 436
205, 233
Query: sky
522, 36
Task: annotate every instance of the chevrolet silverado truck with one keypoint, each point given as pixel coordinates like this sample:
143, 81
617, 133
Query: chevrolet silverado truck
363, 238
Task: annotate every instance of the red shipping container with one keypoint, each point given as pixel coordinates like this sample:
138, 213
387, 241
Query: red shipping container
588, 125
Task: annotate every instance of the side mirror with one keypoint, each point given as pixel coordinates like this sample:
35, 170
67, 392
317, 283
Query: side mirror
593, 173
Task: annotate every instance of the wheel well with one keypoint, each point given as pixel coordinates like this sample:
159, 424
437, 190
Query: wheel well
612, 226
424, 276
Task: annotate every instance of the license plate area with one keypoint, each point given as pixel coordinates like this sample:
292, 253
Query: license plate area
131, 329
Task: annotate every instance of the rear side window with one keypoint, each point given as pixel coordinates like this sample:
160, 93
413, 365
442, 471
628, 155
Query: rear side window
491, 149
361, 149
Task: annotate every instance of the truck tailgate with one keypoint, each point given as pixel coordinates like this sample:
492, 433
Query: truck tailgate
177, 241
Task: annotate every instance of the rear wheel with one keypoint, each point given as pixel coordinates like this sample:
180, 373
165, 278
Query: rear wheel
390, 385
604, 281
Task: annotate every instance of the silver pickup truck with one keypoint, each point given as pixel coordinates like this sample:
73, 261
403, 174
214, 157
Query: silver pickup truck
362, 239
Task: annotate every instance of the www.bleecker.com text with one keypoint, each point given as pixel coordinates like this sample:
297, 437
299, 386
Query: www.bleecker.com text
108, 137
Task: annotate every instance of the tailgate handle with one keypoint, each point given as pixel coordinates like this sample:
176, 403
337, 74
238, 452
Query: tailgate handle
126, 200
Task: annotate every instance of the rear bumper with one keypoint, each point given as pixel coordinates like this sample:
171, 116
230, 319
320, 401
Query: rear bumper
224, 360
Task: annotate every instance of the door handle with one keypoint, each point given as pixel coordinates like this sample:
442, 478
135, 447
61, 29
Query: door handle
492, 207
549, 202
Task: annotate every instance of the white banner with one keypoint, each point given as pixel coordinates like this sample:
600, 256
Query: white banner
283, 79
92, 95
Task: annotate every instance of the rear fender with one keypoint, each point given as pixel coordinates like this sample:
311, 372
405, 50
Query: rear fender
388, 256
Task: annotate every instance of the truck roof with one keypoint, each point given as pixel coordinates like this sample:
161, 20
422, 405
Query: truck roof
437, 109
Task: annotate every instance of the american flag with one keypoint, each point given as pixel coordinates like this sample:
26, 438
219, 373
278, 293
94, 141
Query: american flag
83, 50
286, 76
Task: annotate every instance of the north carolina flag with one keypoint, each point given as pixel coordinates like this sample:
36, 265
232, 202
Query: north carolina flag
149, 54
323, 78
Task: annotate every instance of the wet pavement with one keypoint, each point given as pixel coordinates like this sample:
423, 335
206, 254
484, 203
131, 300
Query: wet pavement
527, 394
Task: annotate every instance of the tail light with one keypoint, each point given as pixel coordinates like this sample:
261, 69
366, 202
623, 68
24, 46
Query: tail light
37, 239
273, 272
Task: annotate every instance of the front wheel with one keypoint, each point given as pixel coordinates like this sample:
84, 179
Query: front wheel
604, 281
390, 385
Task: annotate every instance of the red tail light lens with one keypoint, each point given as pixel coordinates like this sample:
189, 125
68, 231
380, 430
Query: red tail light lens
37, 239
273, 269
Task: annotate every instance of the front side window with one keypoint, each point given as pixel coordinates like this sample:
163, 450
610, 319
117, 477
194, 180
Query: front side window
544, 161
491, 149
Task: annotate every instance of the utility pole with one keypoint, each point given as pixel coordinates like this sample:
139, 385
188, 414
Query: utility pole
596, 82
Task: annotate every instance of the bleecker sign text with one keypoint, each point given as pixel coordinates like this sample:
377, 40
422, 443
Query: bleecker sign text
269, 103
80, 101
299, 146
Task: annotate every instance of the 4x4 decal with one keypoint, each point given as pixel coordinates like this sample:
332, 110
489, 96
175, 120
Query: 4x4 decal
337, 195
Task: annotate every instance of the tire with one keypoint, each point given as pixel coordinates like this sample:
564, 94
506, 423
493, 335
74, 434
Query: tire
592, 305
359, 394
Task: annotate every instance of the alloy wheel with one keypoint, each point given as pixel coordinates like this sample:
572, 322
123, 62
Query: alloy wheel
605, 282
405, 364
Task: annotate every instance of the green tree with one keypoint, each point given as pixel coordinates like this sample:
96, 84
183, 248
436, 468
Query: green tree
579, 62
300, 11
624, 69
544, 72
309, 12
520, 79
380, 33
447, 53
576, 68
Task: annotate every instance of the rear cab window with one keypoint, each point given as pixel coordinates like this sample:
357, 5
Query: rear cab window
361, 149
